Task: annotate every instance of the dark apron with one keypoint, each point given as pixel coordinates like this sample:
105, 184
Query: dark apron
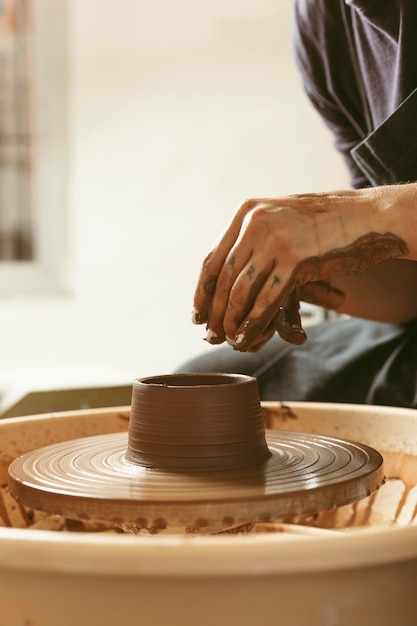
353, 360
388, 155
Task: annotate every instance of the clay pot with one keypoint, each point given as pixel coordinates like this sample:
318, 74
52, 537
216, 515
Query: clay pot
197, 458
196, 421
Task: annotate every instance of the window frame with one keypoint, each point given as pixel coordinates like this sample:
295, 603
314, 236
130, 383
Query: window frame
47, 273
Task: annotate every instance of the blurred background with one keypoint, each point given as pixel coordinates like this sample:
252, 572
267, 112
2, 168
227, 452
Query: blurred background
130, 132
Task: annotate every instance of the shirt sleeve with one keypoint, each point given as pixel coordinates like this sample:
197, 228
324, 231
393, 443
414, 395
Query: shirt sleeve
319, 55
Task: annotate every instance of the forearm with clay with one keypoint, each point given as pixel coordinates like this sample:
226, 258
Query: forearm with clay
335, 249
387, 291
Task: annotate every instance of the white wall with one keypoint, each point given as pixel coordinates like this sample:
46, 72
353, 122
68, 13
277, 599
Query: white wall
177, 112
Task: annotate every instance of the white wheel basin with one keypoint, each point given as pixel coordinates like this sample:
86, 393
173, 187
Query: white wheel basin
352, 566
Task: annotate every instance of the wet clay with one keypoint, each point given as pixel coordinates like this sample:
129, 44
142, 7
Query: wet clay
303, 475
205, 421
359, 256
197, 456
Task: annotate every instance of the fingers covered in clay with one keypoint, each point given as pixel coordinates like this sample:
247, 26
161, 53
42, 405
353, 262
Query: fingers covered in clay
365, 252
276, 252
218, 257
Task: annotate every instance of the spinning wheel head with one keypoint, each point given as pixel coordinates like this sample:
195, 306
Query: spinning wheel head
197, 456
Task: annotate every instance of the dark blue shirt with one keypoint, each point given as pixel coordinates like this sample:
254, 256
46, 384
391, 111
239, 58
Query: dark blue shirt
385, 41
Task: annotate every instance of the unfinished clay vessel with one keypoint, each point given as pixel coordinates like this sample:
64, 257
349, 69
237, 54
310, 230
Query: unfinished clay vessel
198, 457
196, 421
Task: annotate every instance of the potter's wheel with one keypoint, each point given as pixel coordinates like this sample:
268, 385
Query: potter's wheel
223, 475
356, 564
305, 474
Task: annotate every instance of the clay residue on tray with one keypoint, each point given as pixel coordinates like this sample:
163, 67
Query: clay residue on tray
277, 415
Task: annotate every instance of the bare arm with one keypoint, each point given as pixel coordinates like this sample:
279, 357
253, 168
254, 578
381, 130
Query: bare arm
334, 249
385, 293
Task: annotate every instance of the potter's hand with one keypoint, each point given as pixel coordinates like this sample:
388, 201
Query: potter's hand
276, 252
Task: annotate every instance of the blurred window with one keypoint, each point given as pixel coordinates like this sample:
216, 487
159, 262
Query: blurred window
34, 152
16, 131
